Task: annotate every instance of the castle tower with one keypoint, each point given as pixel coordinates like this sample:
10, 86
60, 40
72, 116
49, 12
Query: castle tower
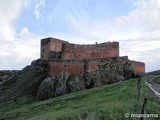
51, 48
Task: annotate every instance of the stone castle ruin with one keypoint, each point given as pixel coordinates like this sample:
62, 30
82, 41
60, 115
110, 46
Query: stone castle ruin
77, 59
65, 68
73, 67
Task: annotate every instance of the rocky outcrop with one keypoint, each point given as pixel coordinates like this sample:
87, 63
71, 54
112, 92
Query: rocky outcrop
6, 76
65, 83
62, 84
26, 82
34, 80
109, 73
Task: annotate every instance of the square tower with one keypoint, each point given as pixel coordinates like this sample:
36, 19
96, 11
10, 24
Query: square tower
51, 48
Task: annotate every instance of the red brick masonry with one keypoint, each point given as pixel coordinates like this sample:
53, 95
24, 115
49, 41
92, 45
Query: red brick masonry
73, 58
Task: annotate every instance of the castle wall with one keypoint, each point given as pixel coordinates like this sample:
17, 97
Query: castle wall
78, 59
81, 66
93, 64
139, 67
80, 52
72, 67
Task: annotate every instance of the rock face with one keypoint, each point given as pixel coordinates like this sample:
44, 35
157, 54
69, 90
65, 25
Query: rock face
34, 80
65, 83
62, 84
109, 73
7, 78
23, 82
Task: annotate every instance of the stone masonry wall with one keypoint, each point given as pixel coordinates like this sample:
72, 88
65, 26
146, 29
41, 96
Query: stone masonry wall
80, 52
80, 67
71, 67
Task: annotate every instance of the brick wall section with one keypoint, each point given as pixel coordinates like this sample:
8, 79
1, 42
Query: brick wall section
139, 67
80, 52
72, 67
93, 66
78, 66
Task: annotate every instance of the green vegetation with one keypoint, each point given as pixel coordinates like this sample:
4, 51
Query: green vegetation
109, 102
156, 79
153, 78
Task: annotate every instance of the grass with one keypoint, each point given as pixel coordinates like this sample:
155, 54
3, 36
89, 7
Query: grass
156, 79
109, 102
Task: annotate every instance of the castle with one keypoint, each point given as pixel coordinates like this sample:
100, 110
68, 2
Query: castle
77, 59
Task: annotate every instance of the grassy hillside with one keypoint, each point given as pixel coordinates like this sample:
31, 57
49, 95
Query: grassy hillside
109, 102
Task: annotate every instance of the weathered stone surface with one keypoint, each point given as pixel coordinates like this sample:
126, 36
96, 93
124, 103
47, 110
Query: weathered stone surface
6, 76
109, 73
27, 81
46, 89
62, 84
75, 83
32, 76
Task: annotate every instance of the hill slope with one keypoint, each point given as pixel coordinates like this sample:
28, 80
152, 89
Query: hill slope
108, 102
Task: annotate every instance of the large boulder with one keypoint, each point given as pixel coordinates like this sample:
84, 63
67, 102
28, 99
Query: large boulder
46, 89
75, 83
62, 84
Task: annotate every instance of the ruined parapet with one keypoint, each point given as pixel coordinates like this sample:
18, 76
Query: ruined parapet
81, 52
52, 48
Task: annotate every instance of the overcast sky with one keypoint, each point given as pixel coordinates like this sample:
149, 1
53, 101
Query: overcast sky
133, 23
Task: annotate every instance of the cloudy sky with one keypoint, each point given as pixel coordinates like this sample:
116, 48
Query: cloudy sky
134, 23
